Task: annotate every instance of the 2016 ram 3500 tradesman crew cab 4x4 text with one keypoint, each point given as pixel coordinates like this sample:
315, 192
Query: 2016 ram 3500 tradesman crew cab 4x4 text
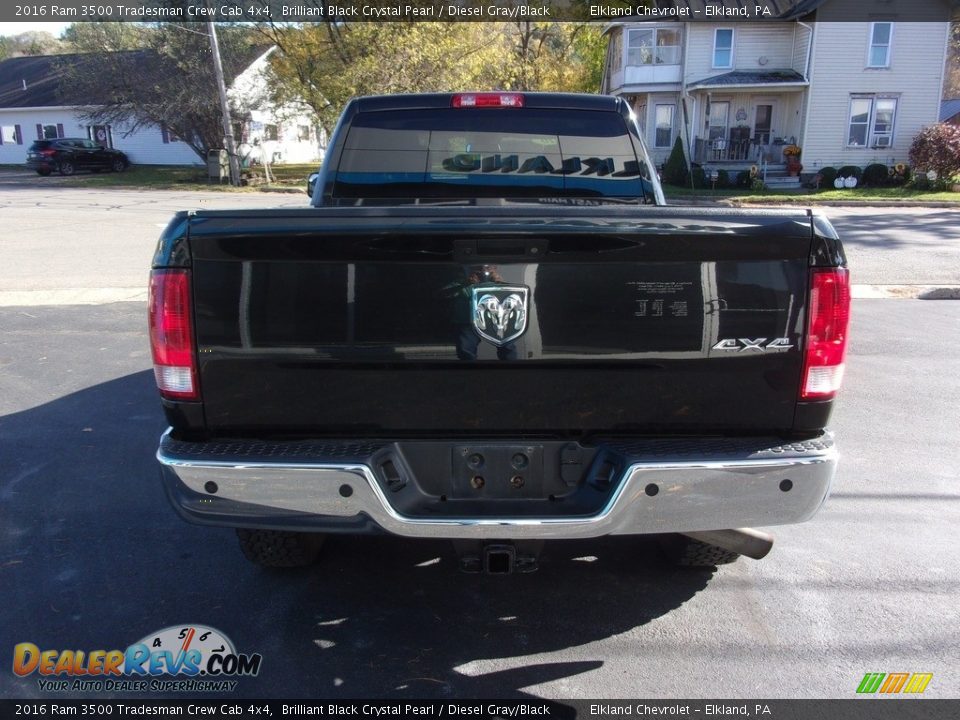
490, 328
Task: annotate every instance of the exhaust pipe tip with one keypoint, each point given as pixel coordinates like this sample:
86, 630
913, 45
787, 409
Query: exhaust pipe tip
748, 542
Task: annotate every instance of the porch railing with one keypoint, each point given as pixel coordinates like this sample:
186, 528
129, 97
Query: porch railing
738, 150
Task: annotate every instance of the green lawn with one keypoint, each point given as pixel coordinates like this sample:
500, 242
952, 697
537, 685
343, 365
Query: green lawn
808, 197
179, 177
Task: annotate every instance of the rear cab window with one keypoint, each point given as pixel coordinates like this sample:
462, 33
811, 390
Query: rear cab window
460, 153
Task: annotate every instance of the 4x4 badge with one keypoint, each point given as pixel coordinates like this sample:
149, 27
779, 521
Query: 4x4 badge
744, 344
499, 312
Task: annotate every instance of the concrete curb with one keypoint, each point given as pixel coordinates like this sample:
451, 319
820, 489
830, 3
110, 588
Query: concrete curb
806, 202
905, 292
855, 203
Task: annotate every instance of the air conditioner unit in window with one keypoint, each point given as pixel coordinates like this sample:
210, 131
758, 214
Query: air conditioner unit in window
883, 141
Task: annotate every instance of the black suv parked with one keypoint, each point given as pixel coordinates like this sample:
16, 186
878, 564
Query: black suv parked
67, 155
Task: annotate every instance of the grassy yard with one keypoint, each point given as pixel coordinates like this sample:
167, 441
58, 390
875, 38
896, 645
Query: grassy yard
807, 197
179, 177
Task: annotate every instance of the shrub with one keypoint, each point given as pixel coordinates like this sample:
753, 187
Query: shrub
850, 171
875, 175
827, 175
723, 180
743, 179
937, 148
920, 181
675, 170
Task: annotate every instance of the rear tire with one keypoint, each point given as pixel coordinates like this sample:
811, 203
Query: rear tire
118, 166
683, 551
279, 548
67, 168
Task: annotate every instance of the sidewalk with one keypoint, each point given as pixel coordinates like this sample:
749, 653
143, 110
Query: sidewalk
807, 201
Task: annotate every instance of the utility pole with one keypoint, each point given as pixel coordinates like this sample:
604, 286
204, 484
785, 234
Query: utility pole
224, 107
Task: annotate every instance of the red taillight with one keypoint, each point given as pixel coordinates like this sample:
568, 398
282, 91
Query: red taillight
49, 152
828, 317
469, 100
171, 335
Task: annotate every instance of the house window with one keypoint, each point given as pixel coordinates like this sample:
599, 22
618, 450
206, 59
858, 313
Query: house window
303, 133
871, 121
649, 46
664, 136
270, 132
50, 132
723, 47
881, 35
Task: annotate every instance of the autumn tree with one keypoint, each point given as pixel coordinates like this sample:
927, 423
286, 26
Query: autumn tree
168, 83
86, 37
32, 42
553, 56
325, 64
951, 85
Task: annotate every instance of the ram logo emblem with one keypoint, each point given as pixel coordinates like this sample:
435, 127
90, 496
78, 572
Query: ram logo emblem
499, 312
755, 344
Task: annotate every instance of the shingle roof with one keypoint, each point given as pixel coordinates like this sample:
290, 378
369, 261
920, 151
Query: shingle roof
750, 77
34, 81
949, 108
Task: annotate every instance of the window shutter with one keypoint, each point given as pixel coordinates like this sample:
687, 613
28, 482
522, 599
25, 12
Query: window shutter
59, 130
17, 135
164, 133
39, 131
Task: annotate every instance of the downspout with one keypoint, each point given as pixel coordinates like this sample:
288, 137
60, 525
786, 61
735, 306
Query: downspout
685, 135
808, 67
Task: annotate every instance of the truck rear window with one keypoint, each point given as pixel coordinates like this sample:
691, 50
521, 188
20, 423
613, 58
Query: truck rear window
503, 153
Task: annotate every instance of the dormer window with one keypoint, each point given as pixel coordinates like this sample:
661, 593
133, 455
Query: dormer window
881, 37
723, 48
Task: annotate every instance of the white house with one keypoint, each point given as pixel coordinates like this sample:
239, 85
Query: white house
847, 92
31, 108
288, 133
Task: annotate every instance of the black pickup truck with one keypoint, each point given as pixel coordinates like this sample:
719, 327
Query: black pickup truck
490, 328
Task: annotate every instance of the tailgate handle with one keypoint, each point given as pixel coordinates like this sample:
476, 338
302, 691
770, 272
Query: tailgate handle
487, 249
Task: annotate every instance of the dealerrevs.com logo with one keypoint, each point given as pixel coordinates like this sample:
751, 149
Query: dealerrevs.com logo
180, 658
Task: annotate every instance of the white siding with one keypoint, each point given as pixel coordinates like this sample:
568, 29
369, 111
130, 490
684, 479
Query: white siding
770, 41
250, 98
144, 147
660, 155
839, 69
801, 44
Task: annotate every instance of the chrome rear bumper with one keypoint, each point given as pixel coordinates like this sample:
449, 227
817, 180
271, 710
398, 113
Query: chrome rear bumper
250, 484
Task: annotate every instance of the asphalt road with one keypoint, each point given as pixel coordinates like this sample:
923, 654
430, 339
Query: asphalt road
48, 229
92, 557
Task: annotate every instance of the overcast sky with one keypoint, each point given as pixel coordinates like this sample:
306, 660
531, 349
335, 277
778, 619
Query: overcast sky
15, 28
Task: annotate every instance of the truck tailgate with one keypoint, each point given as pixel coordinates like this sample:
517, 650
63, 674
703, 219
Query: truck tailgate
363, 322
